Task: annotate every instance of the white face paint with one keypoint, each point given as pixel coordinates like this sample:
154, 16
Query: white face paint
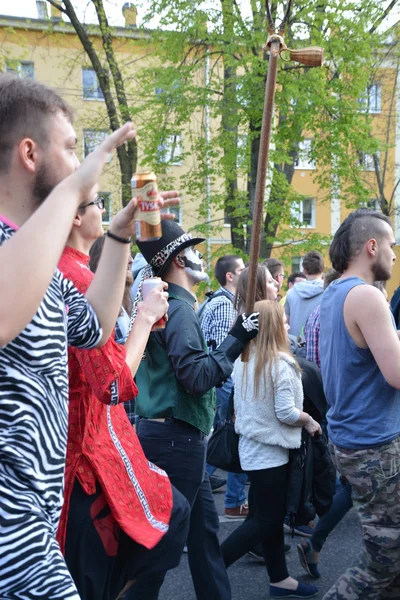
193, 260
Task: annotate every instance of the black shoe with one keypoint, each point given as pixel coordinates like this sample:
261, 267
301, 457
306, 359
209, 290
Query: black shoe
257, 554
217, 482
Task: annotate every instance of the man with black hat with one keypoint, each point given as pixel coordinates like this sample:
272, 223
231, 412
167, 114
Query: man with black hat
176, 401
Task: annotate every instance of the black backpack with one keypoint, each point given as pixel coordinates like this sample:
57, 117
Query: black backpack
210, 296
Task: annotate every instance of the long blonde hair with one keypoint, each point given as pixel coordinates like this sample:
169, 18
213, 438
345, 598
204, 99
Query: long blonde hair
272, 339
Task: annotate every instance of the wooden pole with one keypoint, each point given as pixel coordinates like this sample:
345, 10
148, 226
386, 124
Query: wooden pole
275, 47
312, 57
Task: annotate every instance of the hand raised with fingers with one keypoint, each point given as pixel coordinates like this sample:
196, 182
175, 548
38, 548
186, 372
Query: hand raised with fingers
86, 176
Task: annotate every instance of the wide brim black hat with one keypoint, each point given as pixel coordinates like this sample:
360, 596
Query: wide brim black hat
159, 253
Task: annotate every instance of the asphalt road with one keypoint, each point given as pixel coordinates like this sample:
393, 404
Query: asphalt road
249, 579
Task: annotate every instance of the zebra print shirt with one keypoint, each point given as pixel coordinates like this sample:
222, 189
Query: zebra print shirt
34, 393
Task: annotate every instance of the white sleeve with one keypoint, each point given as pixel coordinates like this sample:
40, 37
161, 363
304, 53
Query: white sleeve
284, 394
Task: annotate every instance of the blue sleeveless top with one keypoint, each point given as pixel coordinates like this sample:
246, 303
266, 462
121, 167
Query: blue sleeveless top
364, 410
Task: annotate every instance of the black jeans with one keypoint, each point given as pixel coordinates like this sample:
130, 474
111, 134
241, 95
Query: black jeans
264, 524
180, 450
101, 577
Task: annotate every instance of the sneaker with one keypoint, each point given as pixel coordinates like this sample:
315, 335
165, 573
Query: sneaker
305, 552
303, 530
259, 556
239, 512
217, 482
303, 591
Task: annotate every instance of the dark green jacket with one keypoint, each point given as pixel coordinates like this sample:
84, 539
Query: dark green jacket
177, 374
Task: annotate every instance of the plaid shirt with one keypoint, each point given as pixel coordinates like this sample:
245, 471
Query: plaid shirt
218, 318
311, 336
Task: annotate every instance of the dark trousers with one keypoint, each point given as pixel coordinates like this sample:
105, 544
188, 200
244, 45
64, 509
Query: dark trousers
180, 450
99, 576
265, 524
341, 504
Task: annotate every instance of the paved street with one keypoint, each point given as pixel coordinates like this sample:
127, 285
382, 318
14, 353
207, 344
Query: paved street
249, 578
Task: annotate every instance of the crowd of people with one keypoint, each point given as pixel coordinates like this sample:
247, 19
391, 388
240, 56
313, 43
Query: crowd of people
104, 423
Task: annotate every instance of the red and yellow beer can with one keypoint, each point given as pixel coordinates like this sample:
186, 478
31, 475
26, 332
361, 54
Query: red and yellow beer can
147, 214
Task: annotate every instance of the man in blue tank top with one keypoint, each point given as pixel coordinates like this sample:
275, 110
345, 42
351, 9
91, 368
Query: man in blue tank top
360, 364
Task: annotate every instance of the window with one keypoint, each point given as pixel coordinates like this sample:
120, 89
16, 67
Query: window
242, 95
106, 217
371, 101
90, 84
304, 211
241, 151
92, 138
303, 159
366, 161
374, 98
372, 204
227, 218
23, 69
297, 264
170, 150
167, 88
177, 212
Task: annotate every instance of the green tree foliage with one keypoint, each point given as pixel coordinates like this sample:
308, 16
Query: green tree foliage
322, 104
209, 59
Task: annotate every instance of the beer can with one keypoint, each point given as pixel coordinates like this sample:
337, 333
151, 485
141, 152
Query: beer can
147, 213
147, 286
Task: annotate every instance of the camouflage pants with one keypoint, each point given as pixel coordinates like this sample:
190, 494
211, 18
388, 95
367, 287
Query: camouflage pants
374, 475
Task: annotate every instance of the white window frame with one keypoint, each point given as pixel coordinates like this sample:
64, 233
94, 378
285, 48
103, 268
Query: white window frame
98, 136
98, 96
371, 100
107, 216
172, 142
298, 213
374, 92
295, 268
367, 162
19, 68
303, 160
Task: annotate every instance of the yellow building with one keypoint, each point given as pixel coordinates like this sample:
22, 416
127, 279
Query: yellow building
48, 50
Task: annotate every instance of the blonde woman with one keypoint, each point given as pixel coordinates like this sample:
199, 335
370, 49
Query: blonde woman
269, 418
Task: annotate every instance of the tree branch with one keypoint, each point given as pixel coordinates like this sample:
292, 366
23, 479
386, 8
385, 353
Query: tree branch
383, 16
60, 8
116, 75
124, 156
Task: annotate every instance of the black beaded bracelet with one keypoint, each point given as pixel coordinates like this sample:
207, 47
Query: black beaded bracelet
121, 240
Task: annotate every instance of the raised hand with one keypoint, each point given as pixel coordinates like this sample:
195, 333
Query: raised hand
85, 178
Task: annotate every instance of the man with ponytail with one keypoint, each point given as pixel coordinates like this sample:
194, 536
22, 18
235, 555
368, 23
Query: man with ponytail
360, 364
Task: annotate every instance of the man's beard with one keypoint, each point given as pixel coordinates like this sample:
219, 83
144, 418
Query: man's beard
380, 272
43, 185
